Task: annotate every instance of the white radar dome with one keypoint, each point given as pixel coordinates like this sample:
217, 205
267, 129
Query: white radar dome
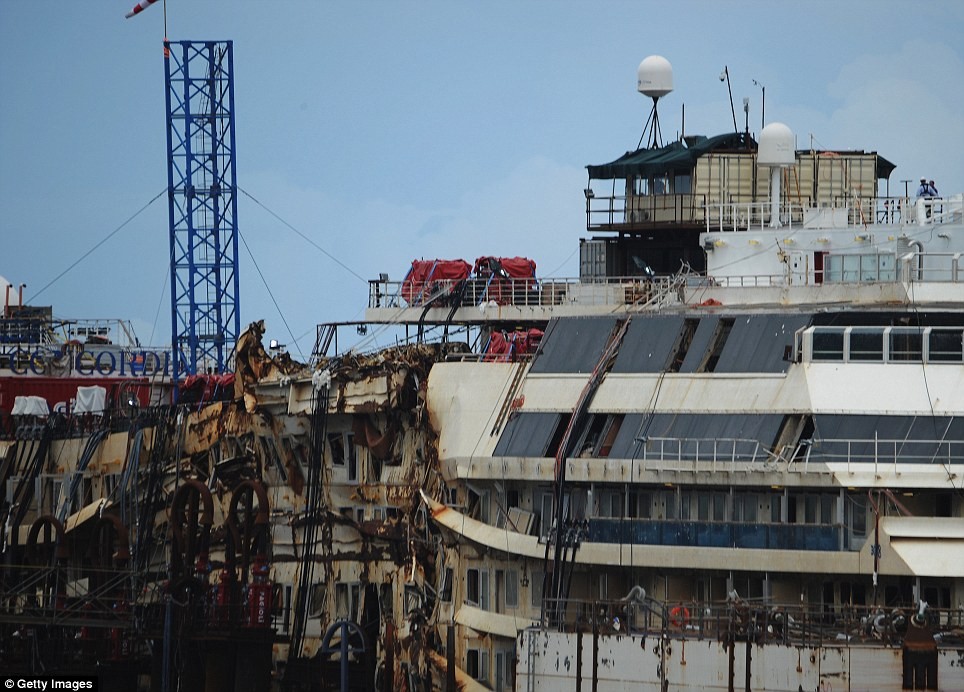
654, 76
777, 146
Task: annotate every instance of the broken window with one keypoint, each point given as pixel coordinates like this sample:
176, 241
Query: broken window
445, 593
413, 599
336, 448
316, 600
347, 597
351, 457
385, 598
478, 504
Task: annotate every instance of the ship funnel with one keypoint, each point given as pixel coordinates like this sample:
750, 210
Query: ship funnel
777, 150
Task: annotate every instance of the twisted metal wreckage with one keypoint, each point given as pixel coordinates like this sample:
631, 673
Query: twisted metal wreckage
271, 534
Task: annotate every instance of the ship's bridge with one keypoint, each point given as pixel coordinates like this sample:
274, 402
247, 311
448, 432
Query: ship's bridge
649, 206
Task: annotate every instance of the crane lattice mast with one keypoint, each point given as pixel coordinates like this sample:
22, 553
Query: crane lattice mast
202, 204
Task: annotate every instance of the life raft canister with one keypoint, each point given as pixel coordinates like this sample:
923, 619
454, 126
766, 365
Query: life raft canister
679, 616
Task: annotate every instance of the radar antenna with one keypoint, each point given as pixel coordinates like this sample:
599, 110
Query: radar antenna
654, 78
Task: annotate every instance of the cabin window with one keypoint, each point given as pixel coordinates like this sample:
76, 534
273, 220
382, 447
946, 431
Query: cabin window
504, 671
351, 457
669, 504
639, 505
776, 508
477, 588
858, 515
535, 589
477, 664
709, 506
512, 588
610, 504
745, 506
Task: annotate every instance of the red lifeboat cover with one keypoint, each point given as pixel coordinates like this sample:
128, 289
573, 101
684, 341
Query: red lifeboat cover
502, 278
515, 267
424, 274
508, 346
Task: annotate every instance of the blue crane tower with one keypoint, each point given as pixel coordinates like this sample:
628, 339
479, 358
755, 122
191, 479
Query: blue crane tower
202, 205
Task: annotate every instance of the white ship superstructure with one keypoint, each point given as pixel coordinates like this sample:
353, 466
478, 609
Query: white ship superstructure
730, 454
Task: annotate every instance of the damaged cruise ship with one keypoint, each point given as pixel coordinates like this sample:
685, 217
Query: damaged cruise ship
729, 455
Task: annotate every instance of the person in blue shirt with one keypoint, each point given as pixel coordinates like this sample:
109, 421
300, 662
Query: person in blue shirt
932, 189
924, 190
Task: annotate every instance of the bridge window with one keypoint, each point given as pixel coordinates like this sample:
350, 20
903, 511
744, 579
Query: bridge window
907, 344
945, 345
867, 345
828, 344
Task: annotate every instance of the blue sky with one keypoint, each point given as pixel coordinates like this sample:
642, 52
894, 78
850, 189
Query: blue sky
389, 131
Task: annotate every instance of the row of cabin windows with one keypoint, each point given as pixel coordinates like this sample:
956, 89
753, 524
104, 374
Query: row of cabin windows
705, 505
348, 599
49, 490
478, 592
886, 344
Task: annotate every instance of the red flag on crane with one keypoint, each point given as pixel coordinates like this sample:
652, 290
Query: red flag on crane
139, 7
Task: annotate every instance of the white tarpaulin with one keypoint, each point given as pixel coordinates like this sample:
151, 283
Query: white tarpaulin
90, 399
30, 406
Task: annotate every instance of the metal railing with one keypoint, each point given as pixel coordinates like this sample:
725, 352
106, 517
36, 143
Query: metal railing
758, 620
529, 292
687, 453
886, 452
644, 211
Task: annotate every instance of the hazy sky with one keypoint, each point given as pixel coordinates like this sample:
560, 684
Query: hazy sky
388, 131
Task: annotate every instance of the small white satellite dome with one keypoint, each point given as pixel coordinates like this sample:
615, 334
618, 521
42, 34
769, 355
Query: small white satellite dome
777, 146
654, 76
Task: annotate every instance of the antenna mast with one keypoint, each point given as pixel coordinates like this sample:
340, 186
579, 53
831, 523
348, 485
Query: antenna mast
654, 78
